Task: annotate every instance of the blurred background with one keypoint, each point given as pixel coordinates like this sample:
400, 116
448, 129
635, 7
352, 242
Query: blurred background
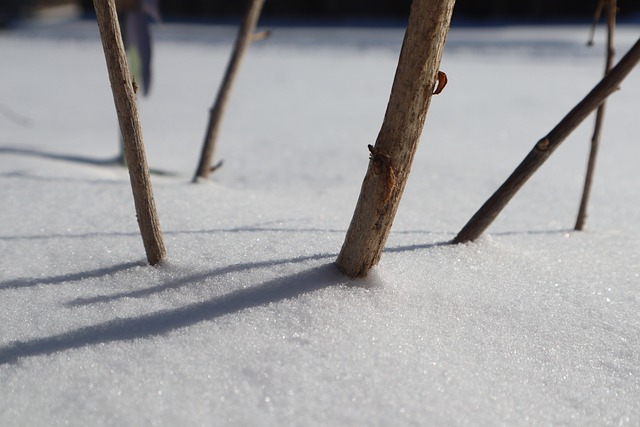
480, 10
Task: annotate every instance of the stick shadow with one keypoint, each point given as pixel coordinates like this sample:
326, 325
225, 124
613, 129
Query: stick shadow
112, 161
190, 280
71, 277
166, 321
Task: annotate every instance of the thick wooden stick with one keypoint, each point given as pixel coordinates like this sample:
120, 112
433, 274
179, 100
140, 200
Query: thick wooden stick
597, 129
125, 101
543, 149
391, 158
243, 40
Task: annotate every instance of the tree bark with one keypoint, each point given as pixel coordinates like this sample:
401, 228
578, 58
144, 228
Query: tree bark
396, 144
125, 101
597, 129
545, 147
243, 40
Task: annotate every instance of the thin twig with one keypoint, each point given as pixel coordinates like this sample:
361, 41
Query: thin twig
261, 35
594, 24
595, 139
243, 40
545, 147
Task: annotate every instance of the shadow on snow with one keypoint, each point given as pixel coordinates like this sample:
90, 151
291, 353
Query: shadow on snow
113, 161
166, 321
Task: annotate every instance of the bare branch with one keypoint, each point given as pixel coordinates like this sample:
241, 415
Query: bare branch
545, 147
243, 40
391, 157
127, 110
595, 139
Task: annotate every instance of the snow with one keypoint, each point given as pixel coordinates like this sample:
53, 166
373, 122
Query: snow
249, 322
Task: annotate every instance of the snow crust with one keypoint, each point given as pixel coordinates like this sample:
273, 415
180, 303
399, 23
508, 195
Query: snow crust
249, 322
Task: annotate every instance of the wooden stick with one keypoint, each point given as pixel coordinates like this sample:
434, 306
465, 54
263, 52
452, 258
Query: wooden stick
595, 139
594, 24
543, 149
391, 158
243, 40
125, 101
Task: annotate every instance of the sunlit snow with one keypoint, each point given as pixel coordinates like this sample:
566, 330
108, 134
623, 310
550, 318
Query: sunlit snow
249, 323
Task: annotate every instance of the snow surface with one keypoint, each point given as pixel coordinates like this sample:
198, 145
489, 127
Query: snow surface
249, 322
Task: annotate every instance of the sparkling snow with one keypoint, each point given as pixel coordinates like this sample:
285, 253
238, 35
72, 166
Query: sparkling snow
249, 322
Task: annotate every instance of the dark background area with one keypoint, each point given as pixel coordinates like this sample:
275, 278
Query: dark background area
331, 9
473, 10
